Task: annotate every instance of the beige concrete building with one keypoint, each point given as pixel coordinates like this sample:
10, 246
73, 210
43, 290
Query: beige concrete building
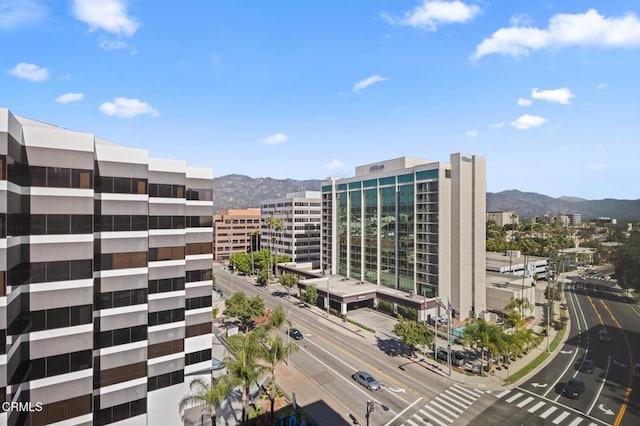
503, 218
412, 225
233, 231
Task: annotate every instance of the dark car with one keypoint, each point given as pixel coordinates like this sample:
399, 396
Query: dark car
587, 366
218, 290
603, 335
573, 388
295, 333
366, 380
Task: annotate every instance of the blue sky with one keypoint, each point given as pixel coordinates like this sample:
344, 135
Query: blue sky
548, 91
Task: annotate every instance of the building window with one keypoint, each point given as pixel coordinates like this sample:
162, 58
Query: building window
199, 248
165, 285
165, 380
166, 253
165, 317
120, 336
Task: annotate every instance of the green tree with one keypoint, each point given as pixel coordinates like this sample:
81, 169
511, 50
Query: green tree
210, 393
309, 295
288, 280
514, 319
243, 308
277, 318
243, 365
413, 333
240, 262
626, 260
480, 335
275, 225
274, 352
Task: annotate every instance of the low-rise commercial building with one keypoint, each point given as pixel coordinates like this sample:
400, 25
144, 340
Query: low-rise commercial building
235, 231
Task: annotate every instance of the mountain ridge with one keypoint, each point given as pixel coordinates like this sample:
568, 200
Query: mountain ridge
241, 191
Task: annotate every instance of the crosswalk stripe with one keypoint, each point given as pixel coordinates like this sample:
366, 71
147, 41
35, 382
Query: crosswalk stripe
561, 417
454, 401
465, 391
442, 401
536, 407
524, 402
548, 412
412, 423
422, 419
503, 393
437, 413
441, 408
435, 420
457, 393
576, 421
514, 397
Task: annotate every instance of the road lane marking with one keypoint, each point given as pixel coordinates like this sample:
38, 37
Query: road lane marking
561, 417
576, 421
595, 399
627, 394
412, 423
442, 401
403, 411
454, 401
524, 402
503, 393
351, 382
351, 367
439, 414
536, 407
514, 397
548, 412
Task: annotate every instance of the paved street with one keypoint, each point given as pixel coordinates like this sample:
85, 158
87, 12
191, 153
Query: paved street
419, 392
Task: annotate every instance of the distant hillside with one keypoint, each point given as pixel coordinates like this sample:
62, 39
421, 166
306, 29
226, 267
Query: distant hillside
530, 204
239, 191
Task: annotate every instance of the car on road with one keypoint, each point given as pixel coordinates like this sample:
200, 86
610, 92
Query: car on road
302, 304
603, 335
366, 380
636, 370
587, 366
218, 290
573, 388
295, 333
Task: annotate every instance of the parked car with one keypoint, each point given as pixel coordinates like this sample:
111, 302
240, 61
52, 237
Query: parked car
457, 358
366, 380
295, 333
603, 335
573, 388
218, 290
587, 366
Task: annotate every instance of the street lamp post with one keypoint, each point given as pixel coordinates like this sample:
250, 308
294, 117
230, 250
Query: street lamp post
371, 408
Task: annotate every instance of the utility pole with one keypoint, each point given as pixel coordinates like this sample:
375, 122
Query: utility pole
370, 409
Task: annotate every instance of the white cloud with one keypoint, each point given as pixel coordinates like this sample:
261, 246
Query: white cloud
498, 125
561, 96
275, 139
564, 30
471, 133
602, 85
31, 72
521, 19
107, 15
107, 44
430, 14
524, 102
14, 13
127, 108
335, 164
367, 82
527, 121
69, 97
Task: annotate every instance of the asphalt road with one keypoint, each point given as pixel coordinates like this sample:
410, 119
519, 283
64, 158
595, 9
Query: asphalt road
330, 355
609, 396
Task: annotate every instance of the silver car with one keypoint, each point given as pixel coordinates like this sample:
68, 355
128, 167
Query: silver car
366, 380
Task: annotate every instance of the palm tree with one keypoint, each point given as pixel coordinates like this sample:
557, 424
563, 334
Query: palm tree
521, 304
274, 352
243, 366
479, 335
274, 224
277, 318
210, 394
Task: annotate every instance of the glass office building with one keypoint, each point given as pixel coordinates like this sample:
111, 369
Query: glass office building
105, 278
412, 225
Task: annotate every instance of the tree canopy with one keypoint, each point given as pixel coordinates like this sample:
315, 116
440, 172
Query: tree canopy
243, 308
413, 333
288, 280
627, 262
309, 295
